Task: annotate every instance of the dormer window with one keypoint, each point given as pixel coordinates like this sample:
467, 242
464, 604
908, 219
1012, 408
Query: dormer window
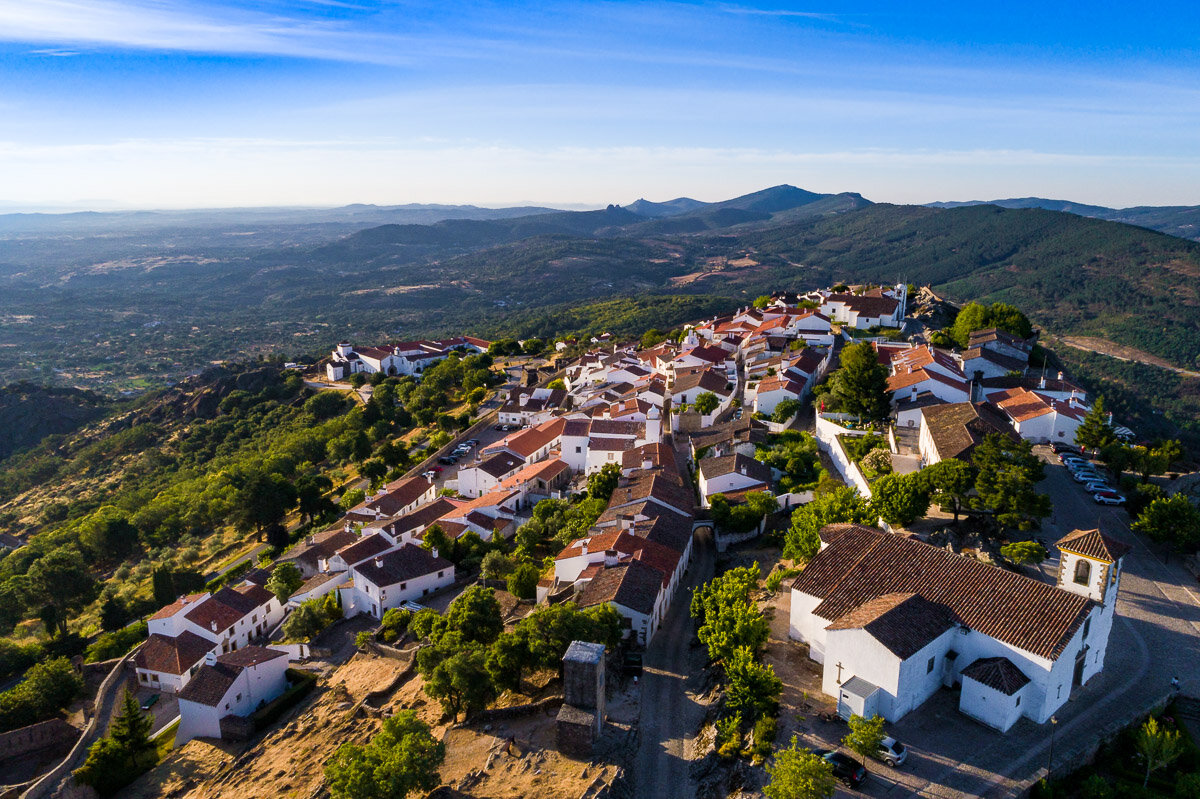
1083, 571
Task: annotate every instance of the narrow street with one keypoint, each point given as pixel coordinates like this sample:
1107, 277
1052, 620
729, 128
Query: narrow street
670, 716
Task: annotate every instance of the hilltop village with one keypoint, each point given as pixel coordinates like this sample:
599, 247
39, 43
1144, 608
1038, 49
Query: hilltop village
819, 508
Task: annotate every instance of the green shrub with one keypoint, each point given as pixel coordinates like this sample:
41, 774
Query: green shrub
116, 643
1187, 787
1095, 787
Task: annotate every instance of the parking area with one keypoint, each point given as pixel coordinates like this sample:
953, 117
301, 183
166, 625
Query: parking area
164, 707
447, 472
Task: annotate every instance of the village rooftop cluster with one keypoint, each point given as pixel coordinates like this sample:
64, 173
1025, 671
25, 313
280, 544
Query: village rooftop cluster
890, 617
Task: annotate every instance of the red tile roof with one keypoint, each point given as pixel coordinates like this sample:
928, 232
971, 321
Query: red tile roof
172, 655
998, 673
861, 564
1093, 544
904, 623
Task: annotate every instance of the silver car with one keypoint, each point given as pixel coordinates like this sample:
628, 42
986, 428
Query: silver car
892, 752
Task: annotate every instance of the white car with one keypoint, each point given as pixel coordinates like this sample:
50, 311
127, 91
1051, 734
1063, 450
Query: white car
1097, 486
1087, 476
1108, 498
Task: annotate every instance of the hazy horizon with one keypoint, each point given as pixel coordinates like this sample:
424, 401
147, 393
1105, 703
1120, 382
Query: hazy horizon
192, 104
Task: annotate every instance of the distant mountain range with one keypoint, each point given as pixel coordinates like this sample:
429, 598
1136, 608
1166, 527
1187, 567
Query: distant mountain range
1174, 220
121, 306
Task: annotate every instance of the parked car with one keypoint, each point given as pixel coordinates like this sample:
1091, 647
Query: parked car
1108, 498
1059, 448
472, 441
845, 768
150, 701
1077, 463
1097, 485
892, 752
1087, 476
435, 469
429, 475
499, 427
449, 460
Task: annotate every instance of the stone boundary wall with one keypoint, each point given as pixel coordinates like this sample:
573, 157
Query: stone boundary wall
106, 699
36, 736
516, 711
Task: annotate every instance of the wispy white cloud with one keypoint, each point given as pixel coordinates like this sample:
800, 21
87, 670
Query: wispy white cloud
777, 12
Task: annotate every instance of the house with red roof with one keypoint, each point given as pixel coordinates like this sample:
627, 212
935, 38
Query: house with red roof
892, 620
1039, 417
234, 684
181, 633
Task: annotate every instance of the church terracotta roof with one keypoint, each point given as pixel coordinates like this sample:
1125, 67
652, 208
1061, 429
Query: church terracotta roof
998, 673
1093, 544
905, 623
861, 564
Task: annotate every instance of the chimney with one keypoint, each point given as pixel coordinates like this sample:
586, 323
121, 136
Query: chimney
312, 540
583, 544
211, 658
378, 563
1042, 382
213, 625
434, 552
1060, 375
743, 468
647, 463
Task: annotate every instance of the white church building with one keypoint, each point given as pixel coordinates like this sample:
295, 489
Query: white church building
893, 619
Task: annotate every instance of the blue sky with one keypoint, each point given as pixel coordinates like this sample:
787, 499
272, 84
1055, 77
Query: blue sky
159, 103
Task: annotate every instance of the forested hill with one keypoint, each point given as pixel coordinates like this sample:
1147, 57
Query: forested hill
1071, 274
1178, 220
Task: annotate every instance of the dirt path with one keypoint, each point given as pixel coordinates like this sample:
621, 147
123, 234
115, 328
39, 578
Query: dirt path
670, 715
1120, 352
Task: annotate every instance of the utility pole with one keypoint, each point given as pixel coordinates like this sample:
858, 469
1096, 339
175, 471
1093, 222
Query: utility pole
1050, 761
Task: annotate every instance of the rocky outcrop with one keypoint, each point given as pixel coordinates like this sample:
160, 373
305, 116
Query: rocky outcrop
29, 413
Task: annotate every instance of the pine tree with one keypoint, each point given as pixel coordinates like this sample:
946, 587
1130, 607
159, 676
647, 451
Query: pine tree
131, 729
1094, 432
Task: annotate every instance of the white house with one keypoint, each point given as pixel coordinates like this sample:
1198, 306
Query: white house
386, 580
732, 474
1041, 418
227, 621
892, 619
233, 684
394, 499
874, 308
635, 590
484, 476
531, 406
692, 384
773, 390
953, 430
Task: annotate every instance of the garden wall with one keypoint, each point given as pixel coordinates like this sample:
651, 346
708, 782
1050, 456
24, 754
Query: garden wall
828, 431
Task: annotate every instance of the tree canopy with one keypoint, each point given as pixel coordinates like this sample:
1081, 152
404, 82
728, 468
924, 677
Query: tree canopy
843, 504
797, 773
860, 385
1007, 472
403, 757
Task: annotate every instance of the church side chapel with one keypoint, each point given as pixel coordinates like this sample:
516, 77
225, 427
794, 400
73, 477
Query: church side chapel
893, 619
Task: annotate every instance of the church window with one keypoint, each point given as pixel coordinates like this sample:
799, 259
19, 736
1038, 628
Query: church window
1087, 626
1018, 702
929, 665
1083, 571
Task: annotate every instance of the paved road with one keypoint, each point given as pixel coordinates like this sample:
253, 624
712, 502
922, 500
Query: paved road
670, 716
